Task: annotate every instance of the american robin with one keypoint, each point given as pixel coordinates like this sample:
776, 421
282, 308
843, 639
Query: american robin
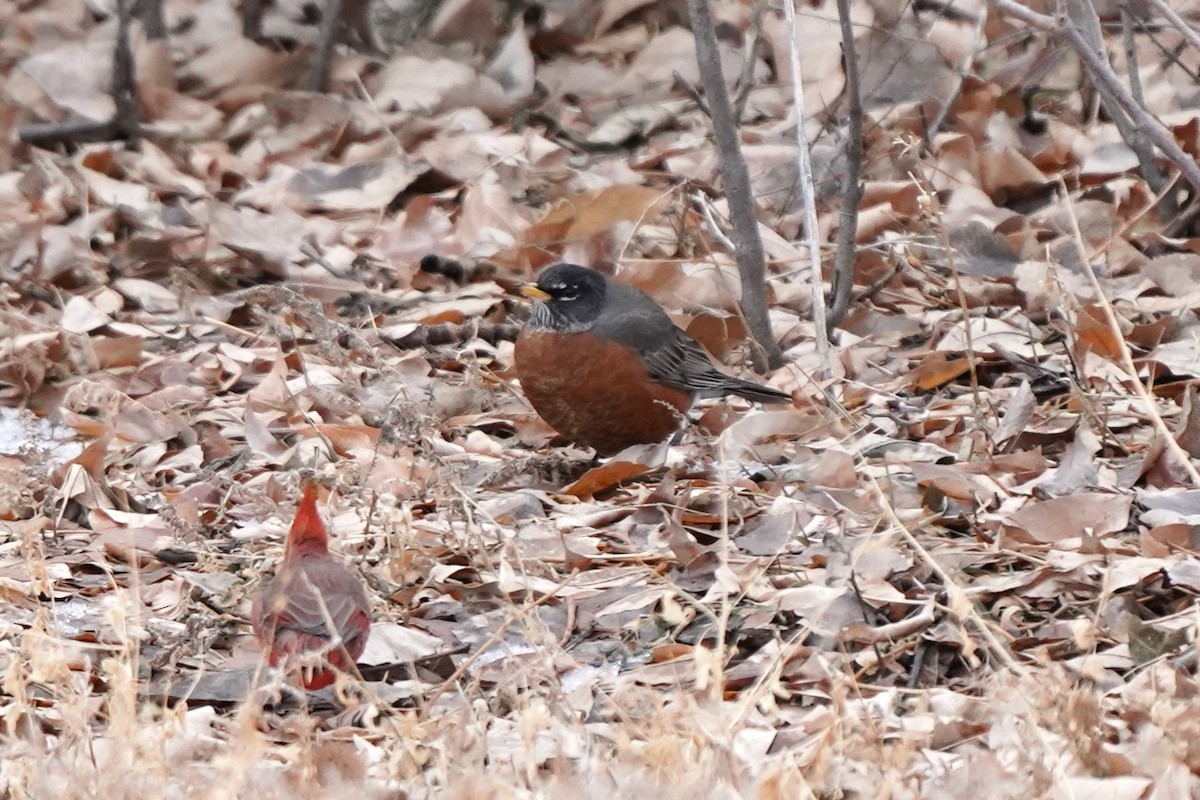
605, 366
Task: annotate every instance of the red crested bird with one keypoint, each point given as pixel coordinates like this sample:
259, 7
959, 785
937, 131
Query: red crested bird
604, 365
313, 615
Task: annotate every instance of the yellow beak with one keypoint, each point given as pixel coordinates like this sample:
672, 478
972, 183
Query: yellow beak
532, 291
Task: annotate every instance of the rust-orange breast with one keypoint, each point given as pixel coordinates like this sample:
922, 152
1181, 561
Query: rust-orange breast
595, 391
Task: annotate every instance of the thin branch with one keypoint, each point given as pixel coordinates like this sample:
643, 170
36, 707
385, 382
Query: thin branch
1085, 24
1114, 325
1171, 55
1189, 33
150, 12
811, 229
843, 265
48, 135
1129, 45
692, 91
1154, 176
124, 122
124, 88
252, 16
749, 48
1043, 22
710, 223
977, 41
877, 286
962, 609
751, 259
327, 38
496, 636
1106, 79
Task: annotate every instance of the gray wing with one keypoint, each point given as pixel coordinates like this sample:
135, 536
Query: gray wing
636, 322
671, 355
682, 363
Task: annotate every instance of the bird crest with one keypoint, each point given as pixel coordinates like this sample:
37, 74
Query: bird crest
307, 535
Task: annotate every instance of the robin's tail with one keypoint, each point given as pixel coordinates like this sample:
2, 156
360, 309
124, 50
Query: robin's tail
755, 392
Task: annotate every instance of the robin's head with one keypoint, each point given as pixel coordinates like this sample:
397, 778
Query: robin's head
571, 296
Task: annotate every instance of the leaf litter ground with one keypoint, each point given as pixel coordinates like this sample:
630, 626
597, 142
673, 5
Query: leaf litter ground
963, 564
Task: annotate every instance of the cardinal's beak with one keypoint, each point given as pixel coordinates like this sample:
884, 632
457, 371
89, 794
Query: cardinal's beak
532, 291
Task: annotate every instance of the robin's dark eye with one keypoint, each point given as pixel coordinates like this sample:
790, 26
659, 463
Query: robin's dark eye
568, 294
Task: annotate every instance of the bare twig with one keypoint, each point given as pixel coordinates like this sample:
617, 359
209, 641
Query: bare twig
710, 223
977, 42
749, 48
1170, 54
1154, 176
692, 91
957, 603
252, 15
1106, 81
123, 81
1129, 45
1085, 23
811, 230
124, 122
496, 636
1110, 317
150, 12
878, 285
331, 25
751, 259
1189, 33
745, 81
49, 135
843, 264
933, 212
